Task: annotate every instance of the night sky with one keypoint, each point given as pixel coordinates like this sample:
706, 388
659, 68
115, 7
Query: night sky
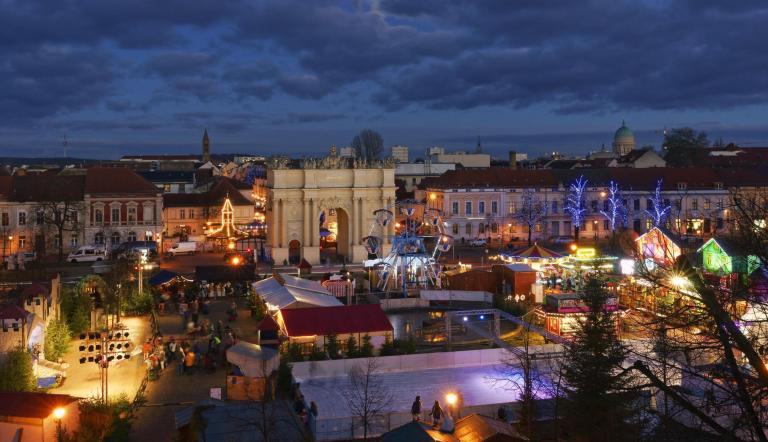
146, 76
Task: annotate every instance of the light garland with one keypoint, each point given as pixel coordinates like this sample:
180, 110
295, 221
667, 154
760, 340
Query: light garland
227, 221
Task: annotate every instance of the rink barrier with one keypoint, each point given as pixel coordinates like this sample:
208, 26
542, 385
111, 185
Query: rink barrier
303, 371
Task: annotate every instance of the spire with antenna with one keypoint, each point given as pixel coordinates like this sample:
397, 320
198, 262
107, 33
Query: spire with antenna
65, 144
479, 147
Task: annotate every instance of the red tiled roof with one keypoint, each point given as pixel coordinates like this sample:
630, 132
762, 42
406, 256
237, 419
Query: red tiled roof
13, 311
47, 187
213, 197
5, 186
32, 405
627, 178
34, 289
116, 180
320, 321
267, 324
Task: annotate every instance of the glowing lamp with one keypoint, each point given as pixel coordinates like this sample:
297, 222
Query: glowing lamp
679, 281
602, 194
452, 399
231, 246
574, 247
432, 196
59, 413
236, 260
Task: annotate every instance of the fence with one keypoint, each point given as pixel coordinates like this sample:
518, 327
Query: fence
349, 427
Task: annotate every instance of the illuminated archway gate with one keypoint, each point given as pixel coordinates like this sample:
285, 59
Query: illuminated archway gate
298, 192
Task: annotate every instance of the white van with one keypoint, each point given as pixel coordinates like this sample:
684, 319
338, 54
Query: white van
87, 254
183, 247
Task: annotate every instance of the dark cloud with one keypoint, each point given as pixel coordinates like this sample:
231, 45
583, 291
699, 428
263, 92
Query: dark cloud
596, 56
49, 80
307, 117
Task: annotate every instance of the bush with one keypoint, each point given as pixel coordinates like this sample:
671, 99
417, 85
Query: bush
292, 353
258, 307
137, 303
366, 350
76, 306
397, 347
352, 350
57, 337
333, 346
317, 355
16, 371
284, 378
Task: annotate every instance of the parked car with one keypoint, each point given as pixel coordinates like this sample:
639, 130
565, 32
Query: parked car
128, 249
182, 248
87, 254
563, 239
27, 257
478, 242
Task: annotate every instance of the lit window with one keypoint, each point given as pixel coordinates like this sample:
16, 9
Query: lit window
131, 215
22, 218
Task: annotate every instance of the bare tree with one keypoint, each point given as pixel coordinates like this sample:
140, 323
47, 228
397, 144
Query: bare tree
521, 373
62, 216
711, 334
532, 212
366, 395
368, 144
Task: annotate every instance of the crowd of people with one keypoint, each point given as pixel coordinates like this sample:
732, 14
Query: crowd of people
191, 355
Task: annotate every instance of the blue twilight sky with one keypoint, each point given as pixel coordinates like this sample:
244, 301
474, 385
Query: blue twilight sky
285, 76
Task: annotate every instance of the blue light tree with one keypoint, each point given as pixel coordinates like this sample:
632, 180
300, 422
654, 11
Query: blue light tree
575, 205
616, 212
659, 211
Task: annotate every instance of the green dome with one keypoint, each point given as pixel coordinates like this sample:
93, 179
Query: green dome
624, 135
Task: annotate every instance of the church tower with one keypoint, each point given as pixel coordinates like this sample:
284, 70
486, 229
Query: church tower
206, 147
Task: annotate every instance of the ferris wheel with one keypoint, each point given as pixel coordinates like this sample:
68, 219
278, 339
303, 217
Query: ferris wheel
417, 243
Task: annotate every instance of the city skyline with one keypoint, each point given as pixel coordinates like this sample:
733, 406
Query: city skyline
283, 77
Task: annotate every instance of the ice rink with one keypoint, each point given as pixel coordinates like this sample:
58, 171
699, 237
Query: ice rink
478, 385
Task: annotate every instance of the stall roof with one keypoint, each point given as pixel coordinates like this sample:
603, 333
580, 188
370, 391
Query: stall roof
345, 319
222, 273
282, 291
519, 268
534, 251
253, 360
164, 277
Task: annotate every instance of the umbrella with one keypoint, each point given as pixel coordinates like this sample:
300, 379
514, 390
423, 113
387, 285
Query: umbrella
325, 232
164, 277
534, 252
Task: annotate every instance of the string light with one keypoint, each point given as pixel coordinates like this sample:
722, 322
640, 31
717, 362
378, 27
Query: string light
227, 222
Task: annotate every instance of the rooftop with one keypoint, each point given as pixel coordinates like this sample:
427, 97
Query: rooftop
32, 405
345, 319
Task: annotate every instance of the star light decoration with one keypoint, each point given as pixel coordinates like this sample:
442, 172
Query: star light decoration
616, 212
658, 212
227, 222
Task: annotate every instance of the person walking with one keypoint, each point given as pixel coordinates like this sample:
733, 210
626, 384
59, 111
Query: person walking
416, 409
189, 362
180, 359
436, 414
146, 349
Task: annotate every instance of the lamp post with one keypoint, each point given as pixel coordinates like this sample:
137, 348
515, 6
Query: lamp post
58, 415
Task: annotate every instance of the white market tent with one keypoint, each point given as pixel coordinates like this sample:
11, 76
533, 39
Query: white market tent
253, 360
285, 291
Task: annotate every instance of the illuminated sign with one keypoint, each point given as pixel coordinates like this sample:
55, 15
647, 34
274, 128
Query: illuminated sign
587, 252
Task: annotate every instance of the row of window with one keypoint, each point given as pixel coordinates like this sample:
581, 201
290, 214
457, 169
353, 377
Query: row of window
40, 218
594, 205
131, 215
115, 239
685, 226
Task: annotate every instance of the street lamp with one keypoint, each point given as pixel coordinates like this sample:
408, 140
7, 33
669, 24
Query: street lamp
453, 399
58, 415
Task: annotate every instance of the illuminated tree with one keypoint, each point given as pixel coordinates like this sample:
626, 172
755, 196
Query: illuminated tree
531, 212
575, 204
659, 211
616, 212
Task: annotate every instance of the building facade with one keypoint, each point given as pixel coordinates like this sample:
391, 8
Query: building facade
120, 206
400, 154
490, 204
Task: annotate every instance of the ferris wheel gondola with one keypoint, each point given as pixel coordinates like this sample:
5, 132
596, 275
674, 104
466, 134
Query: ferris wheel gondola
417, 243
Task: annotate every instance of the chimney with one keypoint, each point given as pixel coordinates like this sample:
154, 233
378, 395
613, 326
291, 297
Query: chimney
512, 159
